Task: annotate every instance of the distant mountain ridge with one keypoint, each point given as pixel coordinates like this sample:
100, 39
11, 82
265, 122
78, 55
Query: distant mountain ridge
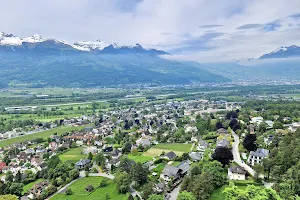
39, 62
283, 52
15, 43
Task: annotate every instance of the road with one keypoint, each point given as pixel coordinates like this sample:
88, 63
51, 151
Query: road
237, 156
174, 193
238, 160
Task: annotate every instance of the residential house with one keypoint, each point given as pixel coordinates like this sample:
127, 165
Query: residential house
37, 190
257, 120
144, 142
90, 149
196, 156
202, 145
114, 162
108, 149
236, 173
222, 131
116, 153
269, 123
82, 164
175, 173
2, 165
159, 188
294, 126
223, 143
257, 156
170, 155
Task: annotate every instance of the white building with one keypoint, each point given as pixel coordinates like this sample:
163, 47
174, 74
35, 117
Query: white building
257, 156
236, 173
257, 120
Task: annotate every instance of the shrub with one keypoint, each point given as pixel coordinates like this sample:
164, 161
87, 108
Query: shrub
69, 191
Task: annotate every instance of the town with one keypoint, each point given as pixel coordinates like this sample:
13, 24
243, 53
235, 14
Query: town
149, 151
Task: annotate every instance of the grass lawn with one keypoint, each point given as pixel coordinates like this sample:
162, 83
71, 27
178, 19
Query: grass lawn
174, 147
175, 163
79, 192
139, 158
43, 134
179, 149
30, 185
72, 155
159, 168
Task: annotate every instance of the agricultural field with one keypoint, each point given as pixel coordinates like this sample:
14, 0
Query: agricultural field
72, 155
44, 134
140, 158
177, 148
79, 191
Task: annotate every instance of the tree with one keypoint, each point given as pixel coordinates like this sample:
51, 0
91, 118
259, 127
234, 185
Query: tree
123, 182
69, 191
249, 142
251, 192
216, 170
277, 125
219, 125
147, 190
127, 147
185, 156
90, 156
155, 197
223, 155
233, 122
16, 188
202, 186
126, 164
6, 159
103, 182
18, 176
107, 197
258, 170
9, 177
139, 173
186, 196
100, 159
53, 161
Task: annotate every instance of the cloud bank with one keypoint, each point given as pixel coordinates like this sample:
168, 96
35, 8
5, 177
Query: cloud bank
202, 30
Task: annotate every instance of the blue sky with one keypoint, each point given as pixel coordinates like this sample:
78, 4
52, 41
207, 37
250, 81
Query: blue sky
201, 30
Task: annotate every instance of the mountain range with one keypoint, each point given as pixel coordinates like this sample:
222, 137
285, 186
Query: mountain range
38, 62
37, 44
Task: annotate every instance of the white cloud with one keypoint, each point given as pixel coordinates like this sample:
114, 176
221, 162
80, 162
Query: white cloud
166, 24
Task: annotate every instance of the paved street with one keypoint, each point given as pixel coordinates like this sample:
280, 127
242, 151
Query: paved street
174, 193
237, 156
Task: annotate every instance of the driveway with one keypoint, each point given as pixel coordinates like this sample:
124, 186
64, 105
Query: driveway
237, 156
174, 193
238, 160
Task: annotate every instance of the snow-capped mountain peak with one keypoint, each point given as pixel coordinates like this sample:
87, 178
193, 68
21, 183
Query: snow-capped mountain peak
88, 46
282, 49
9, 39
34, 39
283, 52
37, 42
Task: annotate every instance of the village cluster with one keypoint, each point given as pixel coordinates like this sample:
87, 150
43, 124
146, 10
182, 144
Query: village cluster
166, 138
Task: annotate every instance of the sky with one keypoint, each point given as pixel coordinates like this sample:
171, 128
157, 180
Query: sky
201, 30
